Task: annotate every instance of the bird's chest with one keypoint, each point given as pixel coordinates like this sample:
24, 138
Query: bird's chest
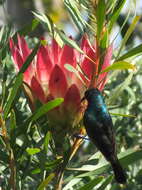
91, 120
94, 121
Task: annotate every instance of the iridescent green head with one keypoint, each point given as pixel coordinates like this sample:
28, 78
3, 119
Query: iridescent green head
90, 93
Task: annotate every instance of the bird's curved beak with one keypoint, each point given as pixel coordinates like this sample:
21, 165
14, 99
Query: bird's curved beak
83, 99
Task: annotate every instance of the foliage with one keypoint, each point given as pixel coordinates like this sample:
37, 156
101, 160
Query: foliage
28, 155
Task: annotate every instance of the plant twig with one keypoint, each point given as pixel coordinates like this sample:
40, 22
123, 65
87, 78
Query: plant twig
71, 153
12, 178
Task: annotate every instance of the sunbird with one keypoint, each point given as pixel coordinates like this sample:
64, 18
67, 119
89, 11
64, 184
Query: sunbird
99, 128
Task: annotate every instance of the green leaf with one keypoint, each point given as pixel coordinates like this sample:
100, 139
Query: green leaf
29, 59
115, 14
46, 182
130, 156
12, 128
118, 90
37, 114
72, 43
47, 22
45, 108
28, 28
59, 36
69, 41
133, 52
105, 183
71, 183
75, 14
45, 19
120, 65
46, 141
36, 171
91, 184
5, 33
72, 69
53, 164
126, 158
32, 151
128, 33
13, 93
100, 14
104, 40
123, 115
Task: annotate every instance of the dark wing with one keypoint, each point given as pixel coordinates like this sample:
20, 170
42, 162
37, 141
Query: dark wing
108, 128
100, 137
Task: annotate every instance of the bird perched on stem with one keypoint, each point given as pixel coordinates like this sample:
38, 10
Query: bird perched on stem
99, 127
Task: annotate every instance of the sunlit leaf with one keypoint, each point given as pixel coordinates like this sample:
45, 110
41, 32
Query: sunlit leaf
126, 158
128, 33
90, 185
115, 14
120, 65
36, 171
45, 108
32, 151
133, 52
46, 141
75, 14
105, 183
47, 22
123, 115
72, 183
101, 9
69, 41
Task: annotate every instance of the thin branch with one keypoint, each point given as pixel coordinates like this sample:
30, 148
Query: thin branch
12, 178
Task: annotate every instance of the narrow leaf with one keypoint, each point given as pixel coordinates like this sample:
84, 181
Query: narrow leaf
105, 183
12, 128
72, 183
25, 30
128, 33
118, 90
13, 93
46, 182
29, 59
47, 22
72, 69
133, 52
75, 14
73, 44
46, 141
115, 14
69, 41
121, 65
32, 151
45, 108
126, 158
91, 184
101, 8
123, 115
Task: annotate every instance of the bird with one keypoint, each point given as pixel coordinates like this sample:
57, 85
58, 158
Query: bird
99, 128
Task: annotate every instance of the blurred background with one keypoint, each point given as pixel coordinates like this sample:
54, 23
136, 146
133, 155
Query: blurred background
19, 13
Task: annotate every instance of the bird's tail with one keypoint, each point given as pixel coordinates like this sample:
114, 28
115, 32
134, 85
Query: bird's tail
119, 173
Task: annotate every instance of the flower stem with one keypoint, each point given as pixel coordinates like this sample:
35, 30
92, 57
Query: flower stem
71, 153
12, 178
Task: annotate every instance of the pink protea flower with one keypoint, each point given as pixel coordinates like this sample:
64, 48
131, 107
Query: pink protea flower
48, 78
